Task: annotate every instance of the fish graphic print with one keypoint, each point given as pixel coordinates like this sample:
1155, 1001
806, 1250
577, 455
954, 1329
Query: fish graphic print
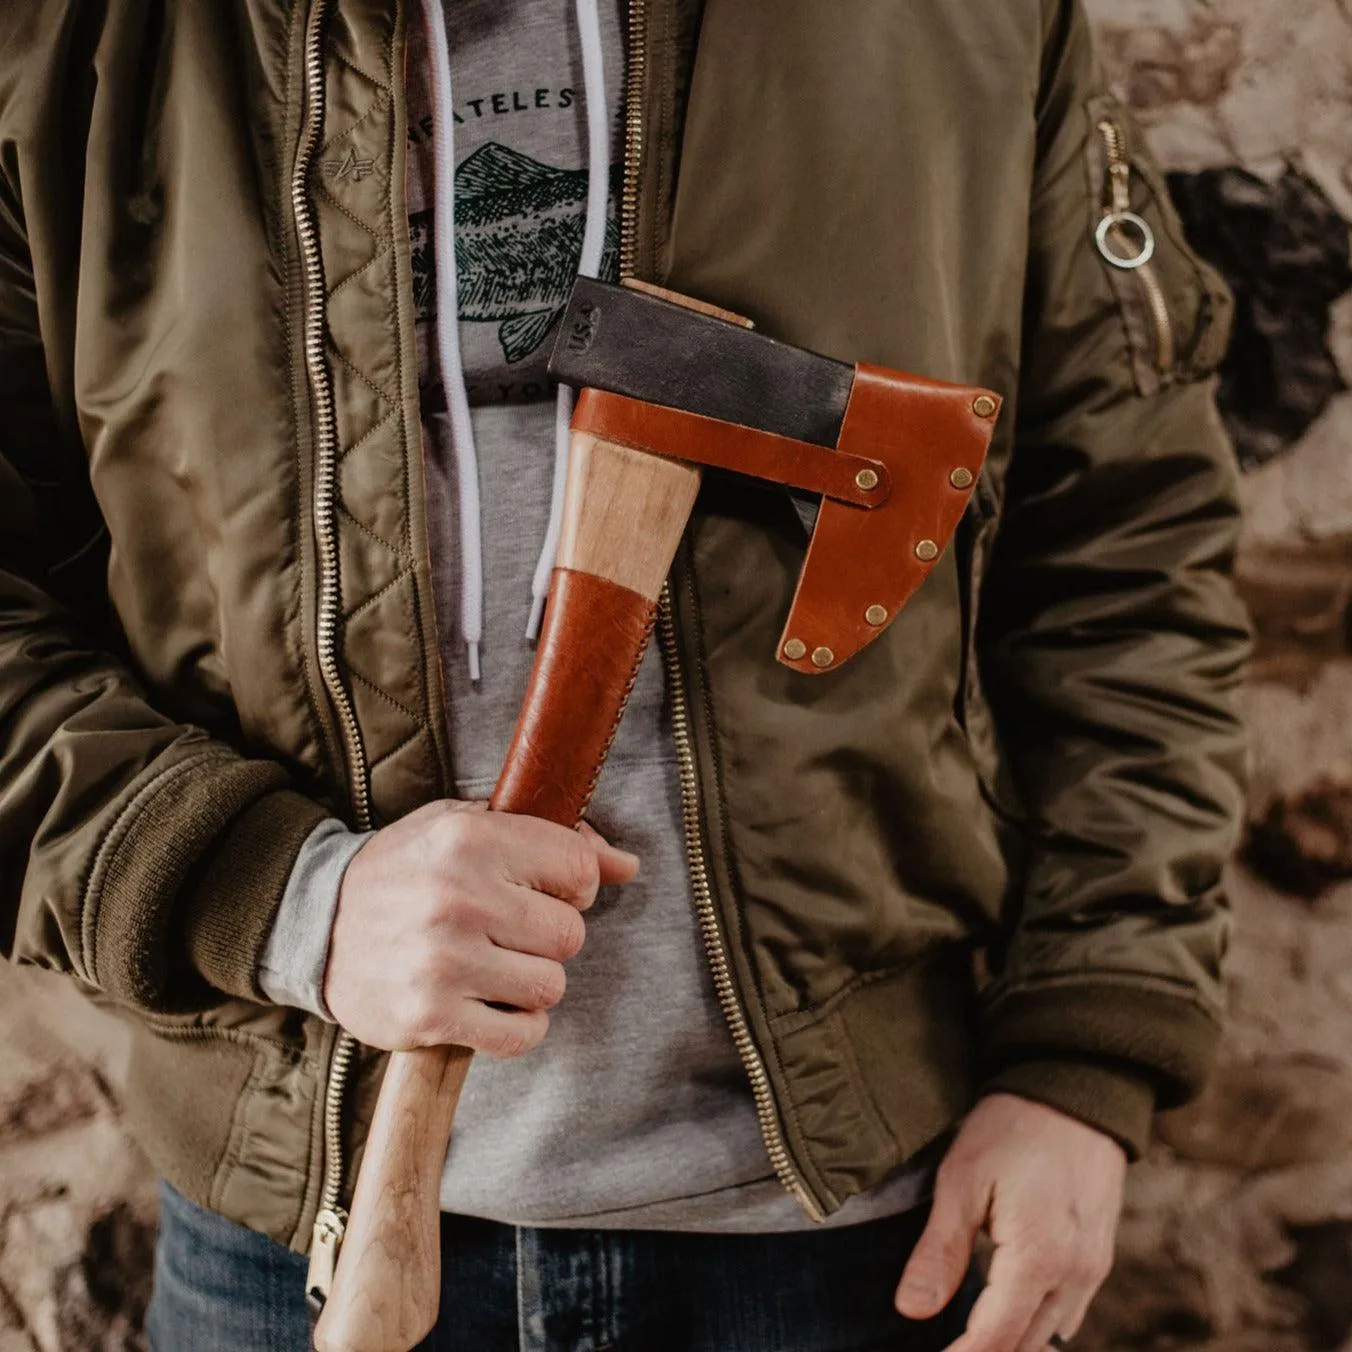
519, 226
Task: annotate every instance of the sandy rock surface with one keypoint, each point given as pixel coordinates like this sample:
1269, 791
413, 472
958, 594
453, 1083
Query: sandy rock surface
77, 1200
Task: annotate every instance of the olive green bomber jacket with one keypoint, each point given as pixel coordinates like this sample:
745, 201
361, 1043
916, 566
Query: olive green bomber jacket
984, 854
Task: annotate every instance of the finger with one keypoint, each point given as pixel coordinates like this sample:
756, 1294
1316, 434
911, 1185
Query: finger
1005, 1310
520, 980
549, 858
943, 1254
522, 921
1087, 1262
1077, 1308
501, 1033
1049, 1320
617, 866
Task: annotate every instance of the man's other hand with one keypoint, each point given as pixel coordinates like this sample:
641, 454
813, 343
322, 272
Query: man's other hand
453, 926
1049, 1191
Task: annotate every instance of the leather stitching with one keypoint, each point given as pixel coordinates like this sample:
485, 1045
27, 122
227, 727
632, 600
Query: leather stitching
624, 704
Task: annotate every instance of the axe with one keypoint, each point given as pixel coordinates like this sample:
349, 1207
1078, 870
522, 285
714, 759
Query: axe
669, 386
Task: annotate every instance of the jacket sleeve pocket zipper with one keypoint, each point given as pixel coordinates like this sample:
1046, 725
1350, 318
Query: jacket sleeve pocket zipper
1126, 241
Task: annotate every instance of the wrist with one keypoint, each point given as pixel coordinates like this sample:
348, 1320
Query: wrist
1116, 1101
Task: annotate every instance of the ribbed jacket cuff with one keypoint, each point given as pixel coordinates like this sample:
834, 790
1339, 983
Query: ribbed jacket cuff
1107, 1051
185, 885
229, 911
1117, 1103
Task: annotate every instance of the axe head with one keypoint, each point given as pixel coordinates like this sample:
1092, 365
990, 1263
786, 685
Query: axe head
896, 457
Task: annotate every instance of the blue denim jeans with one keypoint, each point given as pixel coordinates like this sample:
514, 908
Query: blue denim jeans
221, 1288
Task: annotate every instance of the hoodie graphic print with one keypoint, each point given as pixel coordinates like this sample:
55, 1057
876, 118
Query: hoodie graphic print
520, 190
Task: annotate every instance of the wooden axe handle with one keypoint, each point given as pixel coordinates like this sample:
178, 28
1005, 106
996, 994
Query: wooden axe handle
624, 515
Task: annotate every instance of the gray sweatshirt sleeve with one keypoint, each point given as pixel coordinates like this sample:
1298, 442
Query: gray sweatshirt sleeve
292, 971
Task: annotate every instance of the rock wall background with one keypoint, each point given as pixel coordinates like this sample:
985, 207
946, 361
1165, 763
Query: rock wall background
77, 1200
1238, 1232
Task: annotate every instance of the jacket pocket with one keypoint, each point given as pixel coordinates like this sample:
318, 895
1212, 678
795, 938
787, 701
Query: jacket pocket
1175, 308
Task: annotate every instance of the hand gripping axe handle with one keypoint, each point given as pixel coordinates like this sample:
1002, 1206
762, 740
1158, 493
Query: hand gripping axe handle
669, 386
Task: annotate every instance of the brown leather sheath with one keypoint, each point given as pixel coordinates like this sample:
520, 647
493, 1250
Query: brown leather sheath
594, 636
894, 489
862, 567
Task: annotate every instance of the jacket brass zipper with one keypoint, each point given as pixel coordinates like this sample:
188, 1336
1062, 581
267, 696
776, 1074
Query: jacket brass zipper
330, 1221
635, 83
1118, 222
767, 1113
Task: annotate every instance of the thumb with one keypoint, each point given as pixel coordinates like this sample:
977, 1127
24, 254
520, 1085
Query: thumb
617, 866
940, 1259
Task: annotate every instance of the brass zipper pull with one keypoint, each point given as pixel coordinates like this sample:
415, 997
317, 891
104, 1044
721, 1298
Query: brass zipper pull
1120, 222
1119, 169
330, 1226
1126, 241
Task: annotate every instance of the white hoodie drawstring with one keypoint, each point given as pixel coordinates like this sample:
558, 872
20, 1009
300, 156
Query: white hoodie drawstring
448, 339
448, 315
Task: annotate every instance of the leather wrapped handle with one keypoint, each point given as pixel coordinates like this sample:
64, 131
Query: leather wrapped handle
594, 637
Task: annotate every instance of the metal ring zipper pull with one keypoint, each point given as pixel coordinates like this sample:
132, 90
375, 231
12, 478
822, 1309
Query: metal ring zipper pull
1114, 219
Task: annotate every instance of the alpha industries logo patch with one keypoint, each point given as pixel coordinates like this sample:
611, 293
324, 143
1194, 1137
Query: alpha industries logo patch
353, 166
519, 227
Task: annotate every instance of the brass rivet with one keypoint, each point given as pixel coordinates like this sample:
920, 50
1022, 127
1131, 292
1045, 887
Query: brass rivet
822, 657
983, 406
795, 649
961, 478
927, 551
876, 614
867, 479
